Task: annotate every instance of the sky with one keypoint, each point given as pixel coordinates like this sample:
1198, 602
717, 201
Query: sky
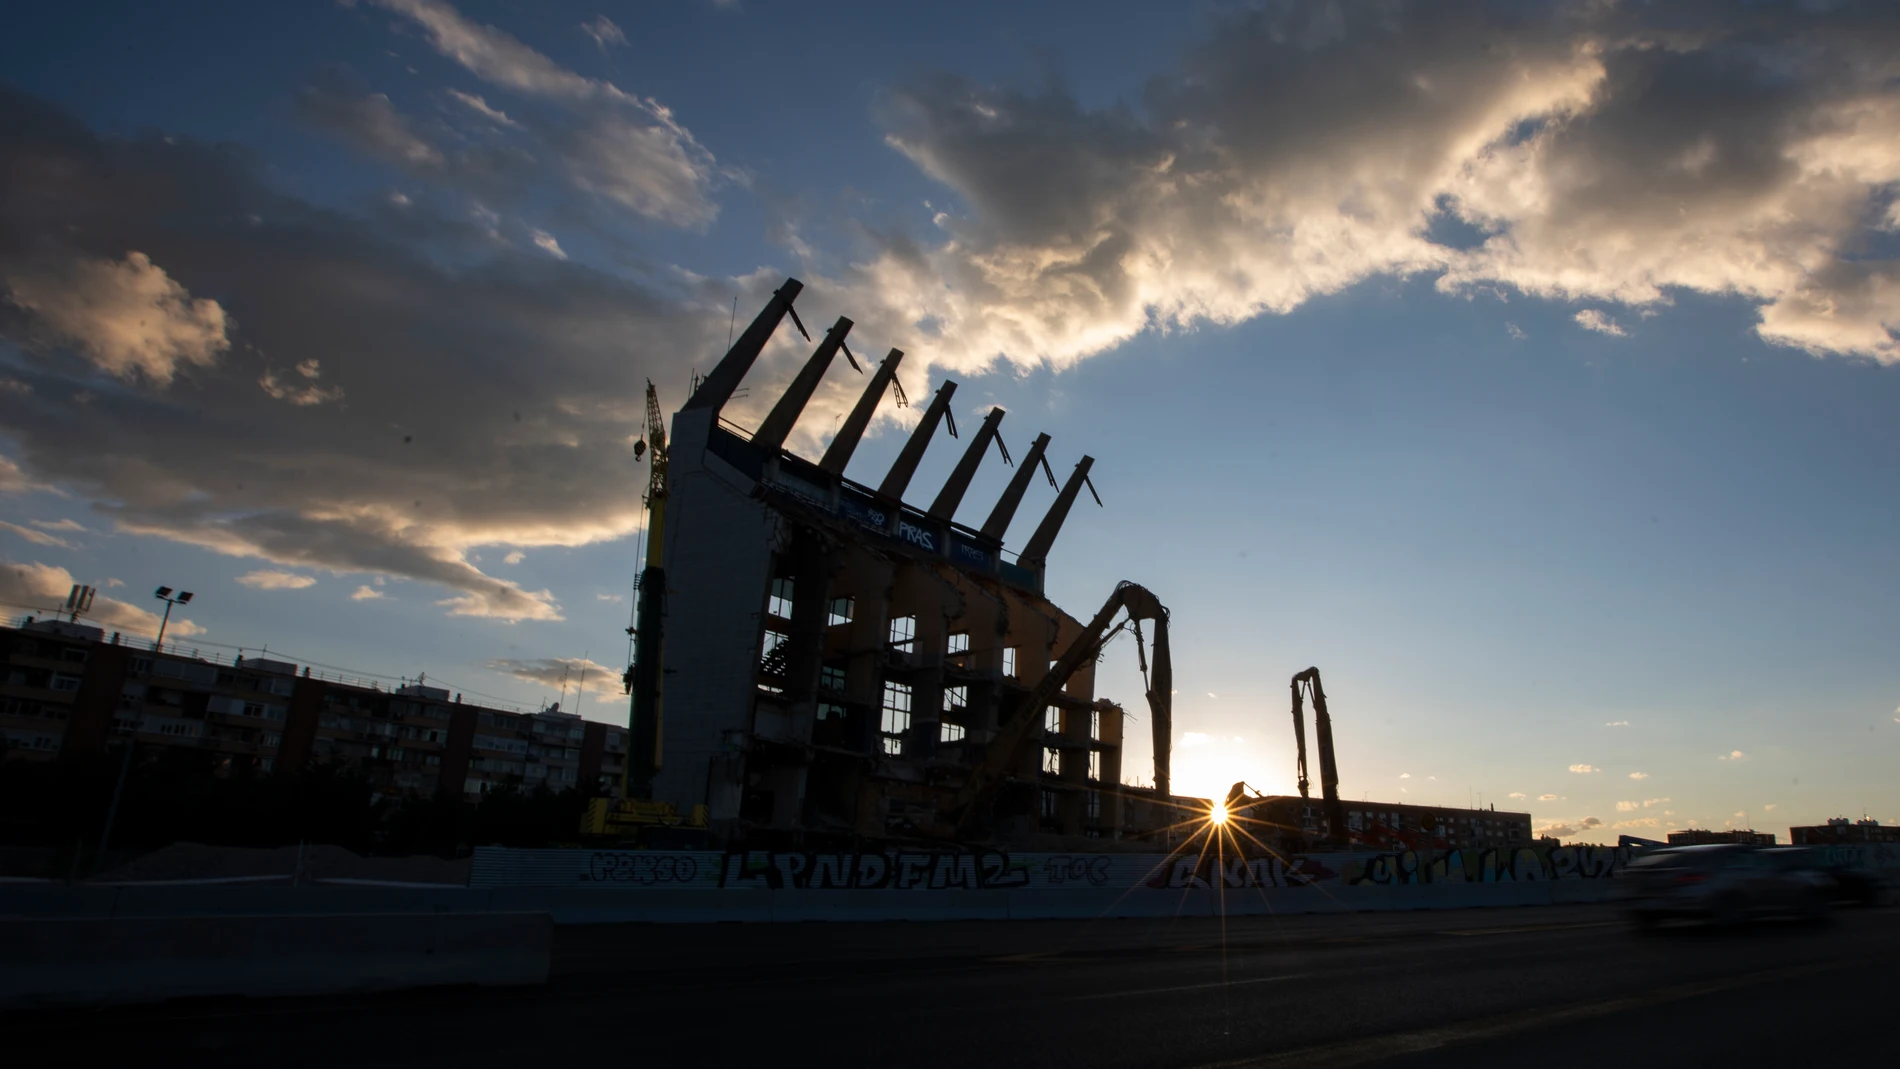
1529, 368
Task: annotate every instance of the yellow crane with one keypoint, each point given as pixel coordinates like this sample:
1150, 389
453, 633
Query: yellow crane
644, 675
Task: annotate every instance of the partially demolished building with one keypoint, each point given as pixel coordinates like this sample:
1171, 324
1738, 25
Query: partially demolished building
834, 658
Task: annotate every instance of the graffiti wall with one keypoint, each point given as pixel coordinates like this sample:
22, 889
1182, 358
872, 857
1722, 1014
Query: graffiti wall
905, 870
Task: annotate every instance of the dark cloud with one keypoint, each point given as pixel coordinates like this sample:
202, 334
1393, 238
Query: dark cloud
1584, 150
368, 406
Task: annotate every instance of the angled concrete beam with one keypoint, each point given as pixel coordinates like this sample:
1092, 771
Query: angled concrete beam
898, 480
945, 507
716, 389
839, 453
778, 425
1005, 509
1036, 553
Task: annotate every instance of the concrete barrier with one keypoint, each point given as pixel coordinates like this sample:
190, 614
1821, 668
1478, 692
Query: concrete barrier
64, 961
593, 904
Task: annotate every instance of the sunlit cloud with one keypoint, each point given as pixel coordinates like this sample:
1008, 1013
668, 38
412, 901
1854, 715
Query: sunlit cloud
1595, 319
1733, 755
1639, 775
366, 593
1583, 769
275, 580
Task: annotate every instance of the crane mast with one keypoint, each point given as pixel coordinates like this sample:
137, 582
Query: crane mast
644, 675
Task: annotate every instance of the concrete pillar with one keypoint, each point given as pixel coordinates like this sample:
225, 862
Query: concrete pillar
898, 480
716, 389
1036, 552
1005, 509
778, 424
842, 446
945, 507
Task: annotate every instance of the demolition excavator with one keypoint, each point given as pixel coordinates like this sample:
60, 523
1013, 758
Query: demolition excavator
1307, 684
972, 805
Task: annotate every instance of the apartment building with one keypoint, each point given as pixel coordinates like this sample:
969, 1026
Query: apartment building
68, 687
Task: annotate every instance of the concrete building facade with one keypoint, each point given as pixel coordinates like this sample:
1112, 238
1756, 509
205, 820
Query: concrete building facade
837, 659
1706, 836
68, 688
1841, 831
1388, 825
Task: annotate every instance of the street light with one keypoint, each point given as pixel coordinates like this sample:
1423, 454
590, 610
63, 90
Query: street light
164, 594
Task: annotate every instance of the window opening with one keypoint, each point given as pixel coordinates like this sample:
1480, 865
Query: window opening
896, 717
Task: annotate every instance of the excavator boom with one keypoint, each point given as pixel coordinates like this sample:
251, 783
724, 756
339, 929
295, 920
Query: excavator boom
1304, 683
1012, 734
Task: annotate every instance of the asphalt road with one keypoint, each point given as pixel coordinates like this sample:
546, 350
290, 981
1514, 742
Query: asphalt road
1550, 987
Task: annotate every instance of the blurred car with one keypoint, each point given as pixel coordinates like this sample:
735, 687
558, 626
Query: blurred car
1725, 884
1860, 886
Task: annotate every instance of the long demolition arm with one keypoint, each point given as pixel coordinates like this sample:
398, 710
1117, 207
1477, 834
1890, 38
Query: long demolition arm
1308, 681
1004, 750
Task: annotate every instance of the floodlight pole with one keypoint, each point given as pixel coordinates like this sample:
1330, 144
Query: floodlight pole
164, 622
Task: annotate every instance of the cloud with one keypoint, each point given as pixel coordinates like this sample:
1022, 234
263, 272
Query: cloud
1213, 695
1519, 795
38, 538
301, 393
114, 582
1583, 769
367, 122
58, 525
535, 396
1617, 724
124, 315
1648, 802
1733, 755
1558, 831
515, 557
45, 586
1595, 319
13, 481
1546, 797
480, 107
274, 580
1195, 738
1516, 332
1639, 775
546, 243
599, 680
604, 32
1768, 808
366, 593
1628, 807
607, 597
1639, 822
1405, 775
1597, 152
624, 148
1591, 822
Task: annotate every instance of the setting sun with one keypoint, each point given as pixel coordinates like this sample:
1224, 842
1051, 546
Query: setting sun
1218, 814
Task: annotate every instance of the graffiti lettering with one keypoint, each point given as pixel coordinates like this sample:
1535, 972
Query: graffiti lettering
1092, 870
644, 869
917, 536
1488, 865
901, 871
1203, 871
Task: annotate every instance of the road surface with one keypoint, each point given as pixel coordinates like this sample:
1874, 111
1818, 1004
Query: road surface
1549, 987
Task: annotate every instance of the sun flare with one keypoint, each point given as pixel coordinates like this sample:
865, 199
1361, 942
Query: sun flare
1217, 815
